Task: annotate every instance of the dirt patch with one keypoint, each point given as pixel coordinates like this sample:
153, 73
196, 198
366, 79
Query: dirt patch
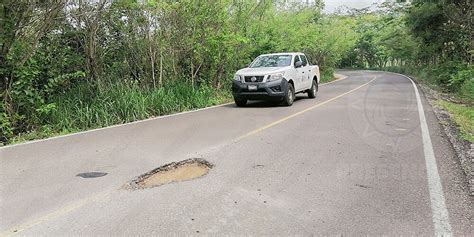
174, 172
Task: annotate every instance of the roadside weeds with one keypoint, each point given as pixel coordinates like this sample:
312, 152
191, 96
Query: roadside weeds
32, 136
462, 115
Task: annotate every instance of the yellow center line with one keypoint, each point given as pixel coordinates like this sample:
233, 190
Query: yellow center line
62, 211
302, 111
100, 196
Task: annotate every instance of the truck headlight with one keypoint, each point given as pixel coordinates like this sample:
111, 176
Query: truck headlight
275, 77
237, 77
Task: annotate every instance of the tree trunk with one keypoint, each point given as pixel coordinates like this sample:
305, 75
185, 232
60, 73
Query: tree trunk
192, 74
218, 77
152, 59
161, 67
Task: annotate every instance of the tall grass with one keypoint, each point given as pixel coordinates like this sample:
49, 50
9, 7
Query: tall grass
326, 75
82, 107
463, 116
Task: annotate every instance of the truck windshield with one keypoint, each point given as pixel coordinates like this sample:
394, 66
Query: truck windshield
272, 61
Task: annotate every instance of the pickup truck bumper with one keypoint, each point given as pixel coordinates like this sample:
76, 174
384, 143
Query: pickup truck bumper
274, 90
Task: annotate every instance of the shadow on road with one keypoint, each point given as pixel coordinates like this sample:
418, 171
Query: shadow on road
266, 104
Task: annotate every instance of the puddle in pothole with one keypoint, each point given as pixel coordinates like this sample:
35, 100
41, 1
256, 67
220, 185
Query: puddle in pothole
174, 172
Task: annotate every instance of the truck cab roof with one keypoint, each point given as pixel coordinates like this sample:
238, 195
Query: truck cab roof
289, 53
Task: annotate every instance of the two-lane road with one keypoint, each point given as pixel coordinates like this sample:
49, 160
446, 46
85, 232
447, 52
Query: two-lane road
358, 160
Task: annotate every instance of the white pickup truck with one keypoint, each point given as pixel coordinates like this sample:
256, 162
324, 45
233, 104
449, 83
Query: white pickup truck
276, 77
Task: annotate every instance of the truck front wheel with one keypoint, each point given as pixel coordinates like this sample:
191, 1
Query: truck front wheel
312, 92
289, 96
240, 102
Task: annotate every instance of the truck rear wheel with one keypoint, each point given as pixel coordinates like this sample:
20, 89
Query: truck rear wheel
313, 91
240, 102
289, 96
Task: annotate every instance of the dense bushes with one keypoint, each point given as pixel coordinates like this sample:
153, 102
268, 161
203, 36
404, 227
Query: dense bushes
463, 82
443, 34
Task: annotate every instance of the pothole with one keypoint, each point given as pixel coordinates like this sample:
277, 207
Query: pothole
88, 175
173, 172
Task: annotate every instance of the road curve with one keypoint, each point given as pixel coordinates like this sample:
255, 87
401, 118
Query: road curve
353, 161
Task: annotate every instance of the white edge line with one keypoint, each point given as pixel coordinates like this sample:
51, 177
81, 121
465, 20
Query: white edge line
130, 123
438, 203
113, 126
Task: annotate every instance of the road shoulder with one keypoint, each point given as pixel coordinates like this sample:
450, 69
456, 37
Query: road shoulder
463, 149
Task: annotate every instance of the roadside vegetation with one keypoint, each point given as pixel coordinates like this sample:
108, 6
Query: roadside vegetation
463, 116
68, 66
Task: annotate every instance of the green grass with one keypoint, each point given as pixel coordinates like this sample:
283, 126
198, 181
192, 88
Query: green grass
83, 108
463, 116
327, 76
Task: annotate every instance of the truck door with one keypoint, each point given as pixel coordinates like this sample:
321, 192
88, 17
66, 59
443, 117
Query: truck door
306, 77
299, 83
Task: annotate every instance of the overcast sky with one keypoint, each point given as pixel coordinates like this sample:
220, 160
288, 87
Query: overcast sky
331, 5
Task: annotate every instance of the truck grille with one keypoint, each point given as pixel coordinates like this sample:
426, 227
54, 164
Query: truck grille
257, 78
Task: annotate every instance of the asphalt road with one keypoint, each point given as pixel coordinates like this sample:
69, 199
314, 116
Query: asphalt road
354, 161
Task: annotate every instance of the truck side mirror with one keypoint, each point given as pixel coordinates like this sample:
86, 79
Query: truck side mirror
298, 64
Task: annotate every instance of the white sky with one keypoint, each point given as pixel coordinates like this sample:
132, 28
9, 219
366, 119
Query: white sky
331, 5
